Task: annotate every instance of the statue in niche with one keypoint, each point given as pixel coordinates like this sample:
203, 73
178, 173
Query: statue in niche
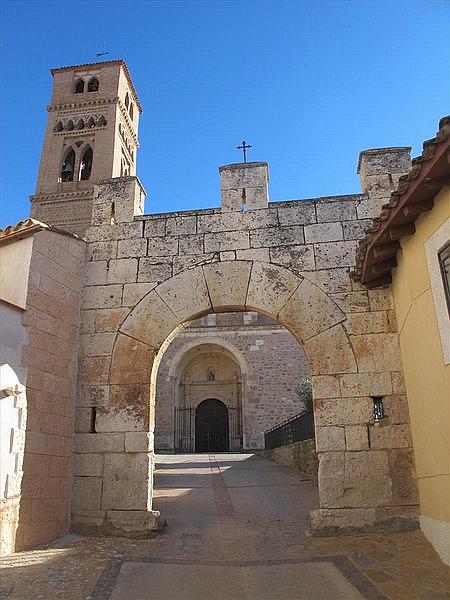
210, 375
187, 378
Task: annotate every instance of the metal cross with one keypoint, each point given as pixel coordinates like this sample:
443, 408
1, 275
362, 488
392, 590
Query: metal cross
244, 149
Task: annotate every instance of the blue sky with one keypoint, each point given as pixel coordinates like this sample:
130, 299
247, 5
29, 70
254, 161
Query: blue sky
308, 84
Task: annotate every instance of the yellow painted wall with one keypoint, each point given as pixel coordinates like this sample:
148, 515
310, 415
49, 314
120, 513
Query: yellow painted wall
427, 378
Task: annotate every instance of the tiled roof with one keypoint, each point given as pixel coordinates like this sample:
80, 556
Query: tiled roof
376, 253
28, 227
106, 62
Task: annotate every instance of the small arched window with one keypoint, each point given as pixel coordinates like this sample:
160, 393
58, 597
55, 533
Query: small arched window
131, 110
93, 85
69, 125
59, 126
101, 122
80, 124
68, 166
86, 164
91, 122
127, 100
79, 87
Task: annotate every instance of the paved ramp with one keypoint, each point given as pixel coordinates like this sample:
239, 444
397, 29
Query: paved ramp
236, 531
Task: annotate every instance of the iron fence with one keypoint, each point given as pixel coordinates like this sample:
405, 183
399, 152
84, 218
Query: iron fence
295, 429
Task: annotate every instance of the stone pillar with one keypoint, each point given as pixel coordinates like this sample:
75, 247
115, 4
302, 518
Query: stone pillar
379, 170
244, 186
117, 200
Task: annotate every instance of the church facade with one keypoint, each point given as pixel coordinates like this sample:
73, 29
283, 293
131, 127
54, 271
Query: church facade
111, 342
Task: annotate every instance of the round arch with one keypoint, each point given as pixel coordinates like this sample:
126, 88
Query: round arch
181, 356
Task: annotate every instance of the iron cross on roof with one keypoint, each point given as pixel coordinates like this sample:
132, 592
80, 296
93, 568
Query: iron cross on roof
244, 147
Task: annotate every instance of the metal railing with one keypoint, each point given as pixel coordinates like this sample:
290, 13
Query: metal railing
295, 429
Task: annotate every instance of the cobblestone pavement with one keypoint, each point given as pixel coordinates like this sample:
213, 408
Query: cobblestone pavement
230, 516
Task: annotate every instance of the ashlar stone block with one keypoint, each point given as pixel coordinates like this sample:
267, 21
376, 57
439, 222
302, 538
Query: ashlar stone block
330, 352
227, 284
134, 292
330, 439
97, 443
270, 287
126, 482
102, 296
151, 321
186, 294
337, 210
162, 246
88, 465
335, 254
297, 213
366, 384
224, 241
356, 437
109, 319
139, 441
309, 311
155, 228
131, 248
377, 352
323, 232
325, 386
342, 411
131, 361
390, 436
191, 244
154, 270
295, 258
181, 225
277, 236
87, 492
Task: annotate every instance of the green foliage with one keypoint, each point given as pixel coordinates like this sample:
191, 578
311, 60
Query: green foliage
304, 393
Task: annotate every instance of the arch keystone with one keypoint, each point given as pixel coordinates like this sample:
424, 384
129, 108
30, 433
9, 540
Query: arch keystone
227, 284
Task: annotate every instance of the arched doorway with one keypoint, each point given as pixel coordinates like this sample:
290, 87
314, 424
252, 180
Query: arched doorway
211, 427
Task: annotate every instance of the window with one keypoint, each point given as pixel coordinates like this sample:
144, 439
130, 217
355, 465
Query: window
59, 126
102, 121
131, 110
86, 164
444, 263
79, 87
93, 85
68, 166
69, 125
80, 124
127, 100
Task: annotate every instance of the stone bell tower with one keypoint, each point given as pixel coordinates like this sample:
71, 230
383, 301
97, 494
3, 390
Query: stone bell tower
91, 136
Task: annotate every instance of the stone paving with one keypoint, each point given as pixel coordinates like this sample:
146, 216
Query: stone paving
236, 529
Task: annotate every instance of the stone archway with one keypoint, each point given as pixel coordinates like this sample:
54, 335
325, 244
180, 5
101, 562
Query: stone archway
360, 483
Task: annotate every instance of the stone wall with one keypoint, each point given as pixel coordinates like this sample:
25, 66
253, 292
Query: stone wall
147, 276
275, 364
13, 413
301, 456
51, 319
